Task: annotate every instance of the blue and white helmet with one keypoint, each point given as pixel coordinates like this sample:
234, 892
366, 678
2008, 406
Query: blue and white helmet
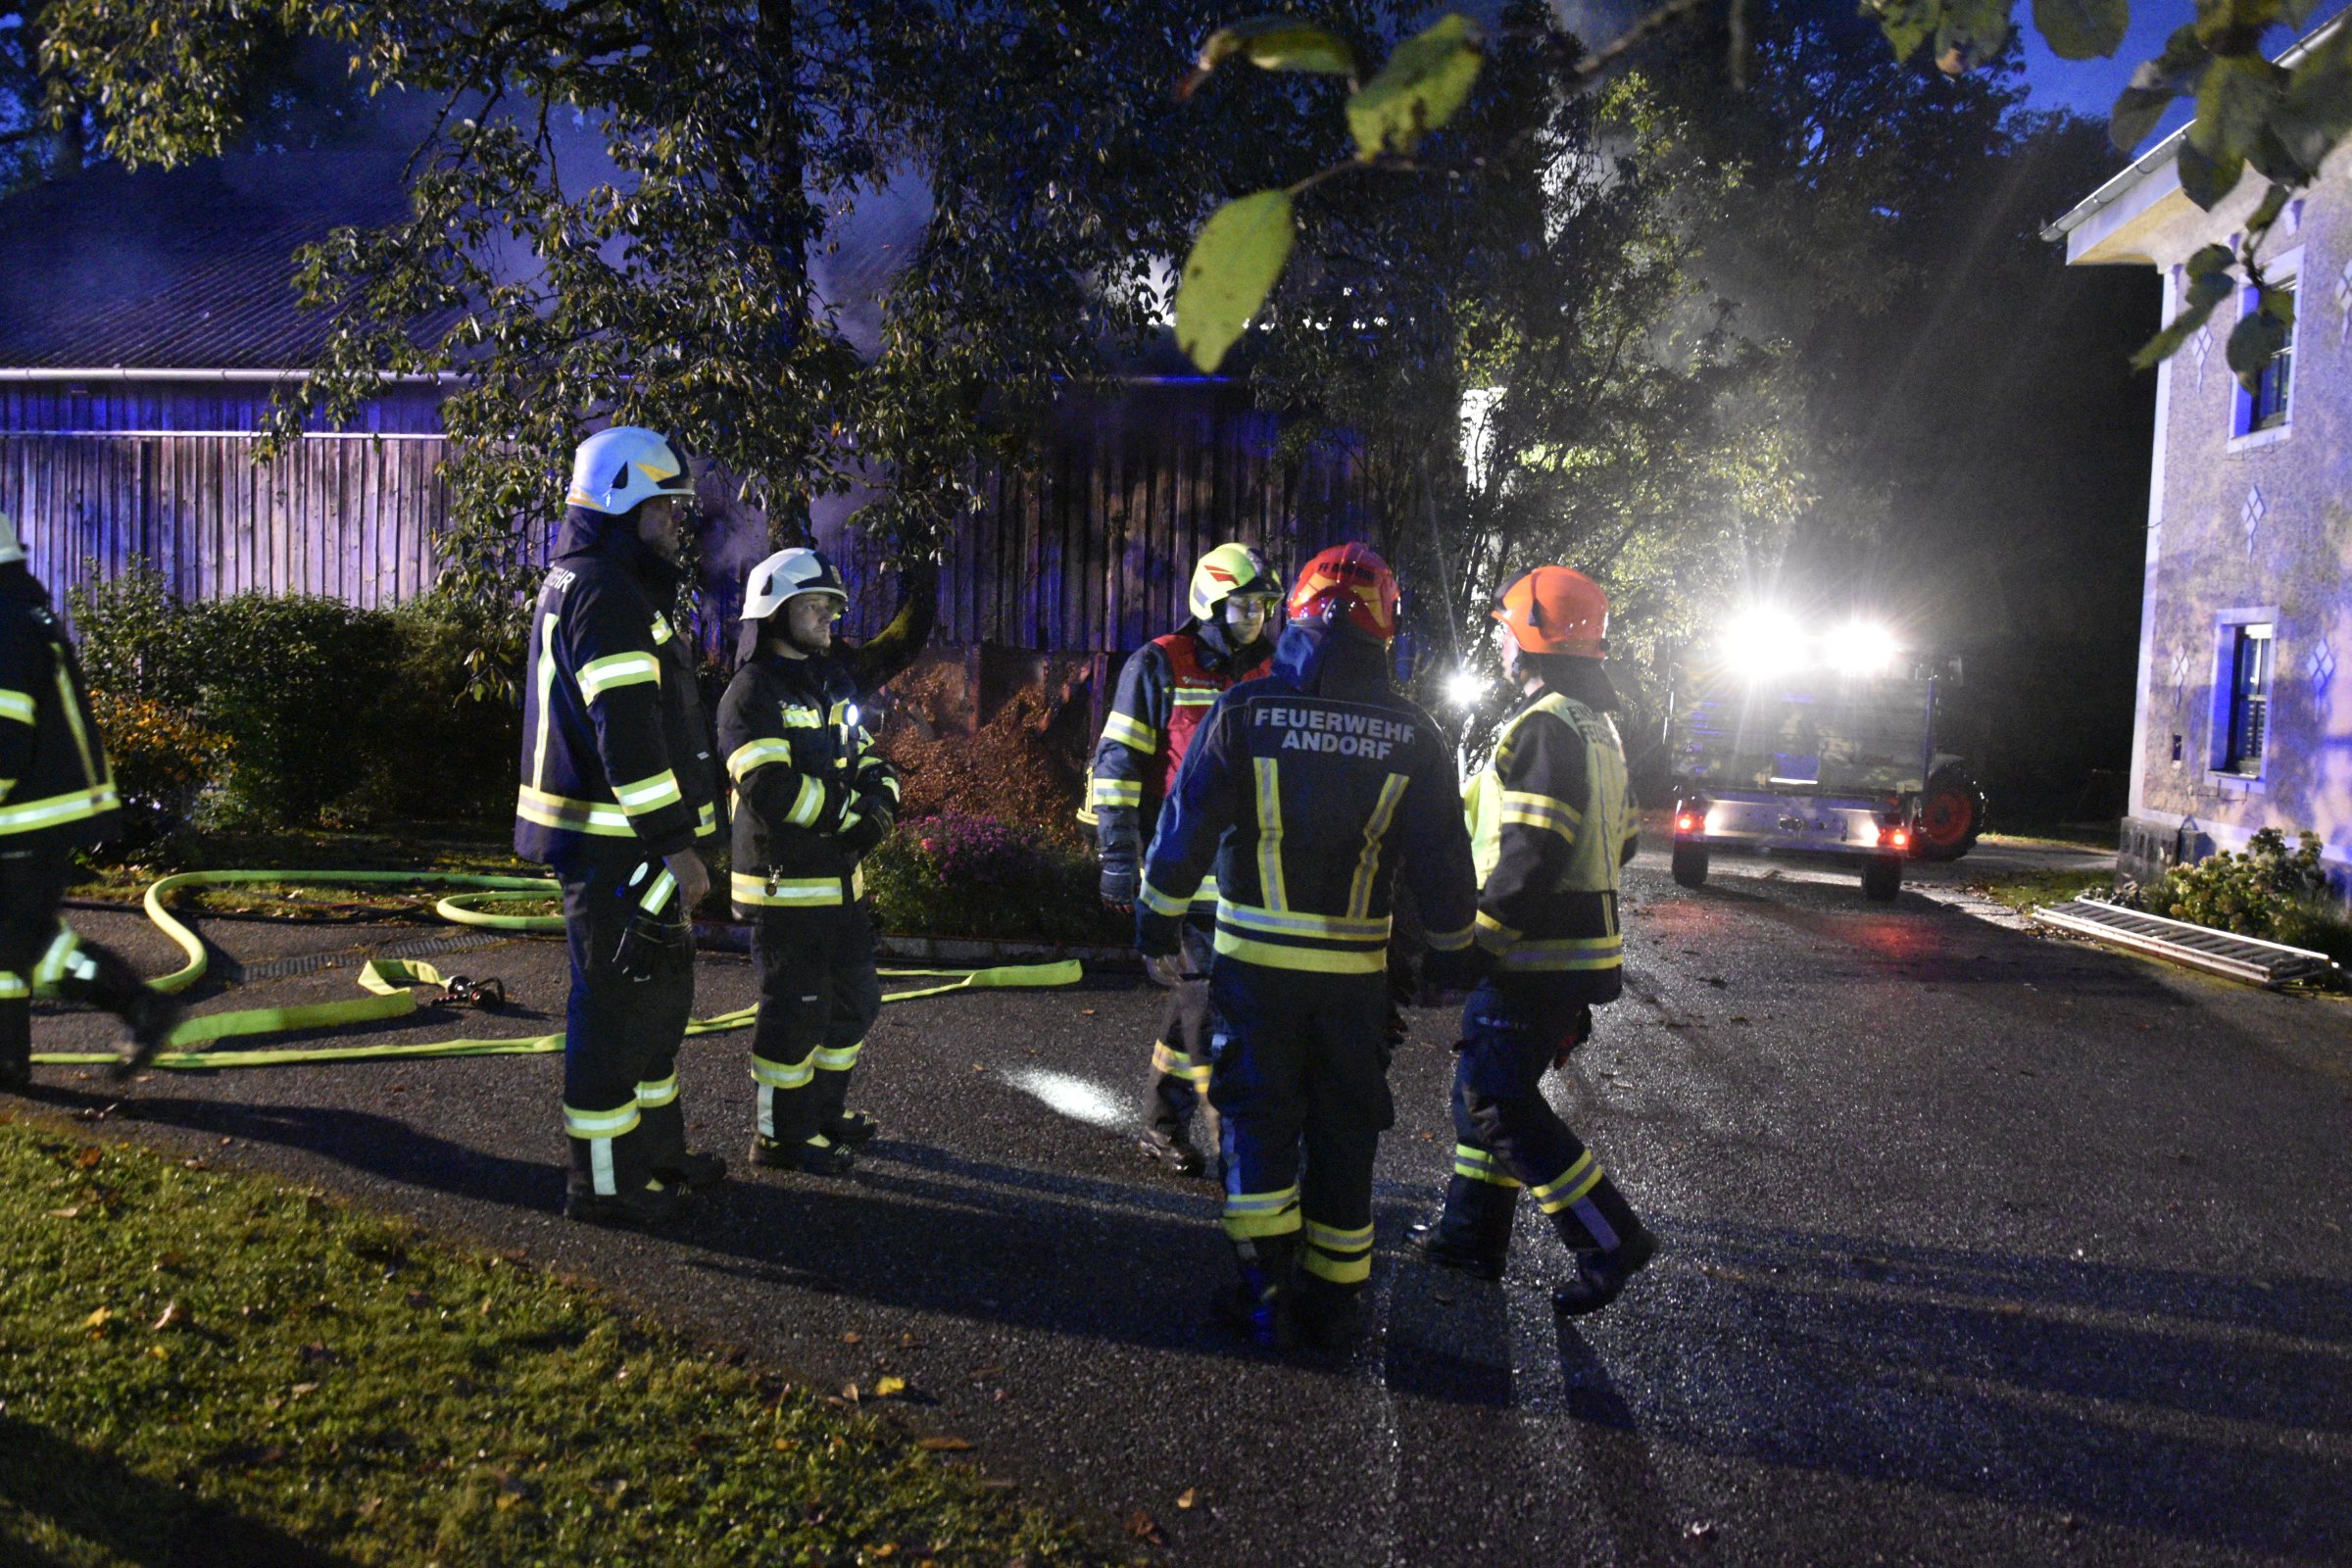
616, 469
786, 574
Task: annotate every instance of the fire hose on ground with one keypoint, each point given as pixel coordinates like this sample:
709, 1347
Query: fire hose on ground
391, 983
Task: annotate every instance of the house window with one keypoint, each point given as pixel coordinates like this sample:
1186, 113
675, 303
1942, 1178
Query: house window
2266, 405
2251, 655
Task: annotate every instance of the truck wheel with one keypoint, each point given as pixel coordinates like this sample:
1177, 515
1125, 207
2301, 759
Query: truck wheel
1951, 814
1691, 865
1881, 877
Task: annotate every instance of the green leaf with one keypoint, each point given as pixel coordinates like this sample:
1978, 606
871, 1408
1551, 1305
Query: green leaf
2234, 109
1907, 23
2204, 293
1279, 43
2256, 341
2208, 260
1971, 34
1234, 263
1425, 81
2082, 29
2136, 110
2314, 113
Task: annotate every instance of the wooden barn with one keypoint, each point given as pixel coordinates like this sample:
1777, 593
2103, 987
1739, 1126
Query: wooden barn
146, 318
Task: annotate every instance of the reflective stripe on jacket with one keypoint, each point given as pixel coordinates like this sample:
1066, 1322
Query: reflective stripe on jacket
1165, 691
1552, 824
616, 750
56, 788
804, 770
1308, 791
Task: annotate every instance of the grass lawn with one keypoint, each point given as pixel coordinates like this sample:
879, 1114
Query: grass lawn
423, 849
2023, 891
202, 1366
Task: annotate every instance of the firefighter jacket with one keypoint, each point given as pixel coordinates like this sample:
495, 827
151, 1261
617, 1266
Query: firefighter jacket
811, 794
1308, 791
615, 750
1552, 824
56, 790
1165, 690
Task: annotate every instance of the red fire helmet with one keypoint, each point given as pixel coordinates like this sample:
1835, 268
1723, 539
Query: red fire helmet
1347, 583
1553, 610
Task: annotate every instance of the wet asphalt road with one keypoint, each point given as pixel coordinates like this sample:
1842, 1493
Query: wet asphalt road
1981, 1246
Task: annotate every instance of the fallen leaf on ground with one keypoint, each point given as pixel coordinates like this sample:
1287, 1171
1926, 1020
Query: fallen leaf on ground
852, 1338
174, 1316
849, 1391
884, 1388
301, 1389
1143, 1526
1187, 1497
942, 1444
65, 1214
89, 1155
99, 1319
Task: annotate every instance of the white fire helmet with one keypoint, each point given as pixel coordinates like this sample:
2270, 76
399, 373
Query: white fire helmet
616, 469
10, 548
786, 574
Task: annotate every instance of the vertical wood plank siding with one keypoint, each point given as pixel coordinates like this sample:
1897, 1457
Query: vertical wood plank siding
1088, 550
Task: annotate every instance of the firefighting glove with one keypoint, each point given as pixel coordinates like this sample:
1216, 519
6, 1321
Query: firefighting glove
1455, 970
657, 921
1122, 882
868, 826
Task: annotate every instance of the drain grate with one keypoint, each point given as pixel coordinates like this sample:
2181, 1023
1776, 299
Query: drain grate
423, 948
2262, 963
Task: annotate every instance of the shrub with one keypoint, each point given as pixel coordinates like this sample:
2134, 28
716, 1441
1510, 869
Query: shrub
2268, 892
160, 758
975, 876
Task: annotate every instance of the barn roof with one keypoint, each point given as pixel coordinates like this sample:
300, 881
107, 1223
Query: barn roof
187, 269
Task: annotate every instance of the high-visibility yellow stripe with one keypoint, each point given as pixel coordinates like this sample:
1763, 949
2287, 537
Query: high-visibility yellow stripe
753, 755
17, 706
649, 794
53, 963
1337, 1271
54, 811
547, 719
784, 892
1251, 1215
1481, 1166
599, 1123
1529, 809
1159, 903
1492, 935
1192, 697
1317, 960
1168, 1061
1332, 1239
707, 824
829, 1060
1117, 792
1130, 734
601, 676
1367, 864
13, 987
1271, 887
1449, 941
783, 1075
602, 819
91, 768
662, 630
803, 718
663, 1092
658, 893
1569, 1185
1302, 923
807, 803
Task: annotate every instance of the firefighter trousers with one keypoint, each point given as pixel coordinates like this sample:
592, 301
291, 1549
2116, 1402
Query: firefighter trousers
1299, 1078
1180, 1054
818, 996
1506, 1135
40, 952
620, 1036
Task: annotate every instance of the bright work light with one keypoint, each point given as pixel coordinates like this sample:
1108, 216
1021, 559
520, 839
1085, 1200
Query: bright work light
1860, 647
1465, 689
1763, 641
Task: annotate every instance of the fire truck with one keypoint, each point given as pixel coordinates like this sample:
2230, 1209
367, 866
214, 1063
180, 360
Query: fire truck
1788, 741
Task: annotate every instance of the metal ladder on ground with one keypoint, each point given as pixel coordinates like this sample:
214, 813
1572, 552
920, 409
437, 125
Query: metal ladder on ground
2221, 952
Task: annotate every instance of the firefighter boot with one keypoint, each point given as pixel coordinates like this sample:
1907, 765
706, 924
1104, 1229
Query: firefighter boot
661, 1124
16, 1045
819, 1155
1599, 1276
612, 1185
853, 1127
1169, 1100
1259, 1306
1329, 1317
87, 972
1474, 1232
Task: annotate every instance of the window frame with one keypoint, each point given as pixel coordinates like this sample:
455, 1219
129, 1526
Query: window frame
2233, 630
2283, 271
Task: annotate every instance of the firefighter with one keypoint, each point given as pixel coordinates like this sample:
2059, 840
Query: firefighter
812, 797
618, 786
1551, 825
1310, 790
1165, 692
56, 793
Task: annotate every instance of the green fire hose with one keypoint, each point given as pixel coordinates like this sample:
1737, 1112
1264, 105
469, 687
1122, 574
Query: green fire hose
387, 980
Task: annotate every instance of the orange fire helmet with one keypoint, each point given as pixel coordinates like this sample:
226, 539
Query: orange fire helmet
1351, 584
1553, 610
